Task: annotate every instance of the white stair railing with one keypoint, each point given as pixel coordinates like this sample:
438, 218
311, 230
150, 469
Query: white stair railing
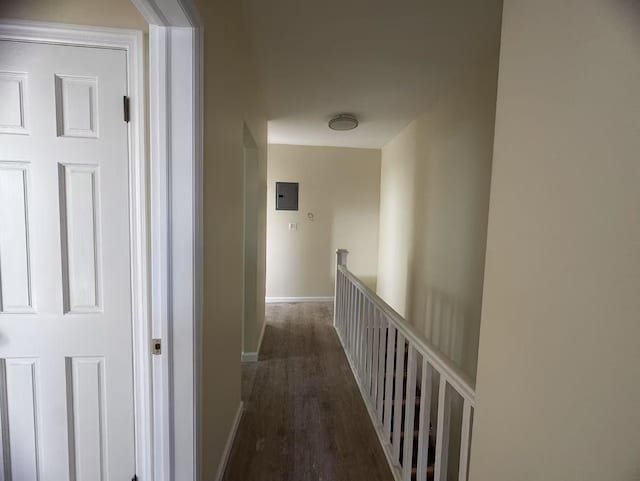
399, 372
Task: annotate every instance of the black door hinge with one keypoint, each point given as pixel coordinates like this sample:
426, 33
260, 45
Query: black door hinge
135, 478
127, 113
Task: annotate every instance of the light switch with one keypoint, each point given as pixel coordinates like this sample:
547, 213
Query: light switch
293, 226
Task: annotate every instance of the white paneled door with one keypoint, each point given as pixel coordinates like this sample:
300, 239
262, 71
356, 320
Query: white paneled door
66, 368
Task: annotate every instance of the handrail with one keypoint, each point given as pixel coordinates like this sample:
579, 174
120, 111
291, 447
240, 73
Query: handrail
455, 376
395, 368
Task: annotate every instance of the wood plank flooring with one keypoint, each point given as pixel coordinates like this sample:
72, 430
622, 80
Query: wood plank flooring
304, 418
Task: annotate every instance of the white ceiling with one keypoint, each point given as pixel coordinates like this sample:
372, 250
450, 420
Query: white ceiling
383, 60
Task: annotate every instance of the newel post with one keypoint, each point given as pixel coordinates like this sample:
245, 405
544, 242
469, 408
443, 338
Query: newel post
341, 257
341, 260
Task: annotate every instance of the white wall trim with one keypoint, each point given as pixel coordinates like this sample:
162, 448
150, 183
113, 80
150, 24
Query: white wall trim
175, 13
176, 126
283, 300
81, 35
160, 221
229, 444
249, 357
176, 246
131, 42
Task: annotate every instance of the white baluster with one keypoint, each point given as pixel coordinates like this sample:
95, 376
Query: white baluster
375, 348
382, 348
363, 344
352, 304
409, 415
341, 260
425, 419
350, 320
397, 400
369, 349
388, 390
345, 310
356, 334
341, 305
343, 302
361, 338
363, 341
464, 441
442, 436
354, 327
337, 302
345, 313
372, 335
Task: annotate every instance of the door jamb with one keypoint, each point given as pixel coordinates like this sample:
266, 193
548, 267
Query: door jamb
131, 42
176, 142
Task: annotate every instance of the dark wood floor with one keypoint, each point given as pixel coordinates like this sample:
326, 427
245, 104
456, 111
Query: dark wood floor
304, 418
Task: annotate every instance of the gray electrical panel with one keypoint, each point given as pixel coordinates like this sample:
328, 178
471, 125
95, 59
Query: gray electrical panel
286, 195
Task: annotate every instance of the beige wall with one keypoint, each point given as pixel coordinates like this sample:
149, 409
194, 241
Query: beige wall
115, 13
232, 99
558, 394
340, 186
434, 201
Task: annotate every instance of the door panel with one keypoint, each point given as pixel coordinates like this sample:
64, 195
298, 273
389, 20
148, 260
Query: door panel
15, 267
21, 403
76, 106
66, 369
12, 109
80, 221
86, 408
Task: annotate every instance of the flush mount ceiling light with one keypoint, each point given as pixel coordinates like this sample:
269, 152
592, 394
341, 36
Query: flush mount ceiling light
343, 122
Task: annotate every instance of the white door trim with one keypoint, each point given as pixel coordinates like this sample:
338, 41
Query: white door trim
132, 43
176, 125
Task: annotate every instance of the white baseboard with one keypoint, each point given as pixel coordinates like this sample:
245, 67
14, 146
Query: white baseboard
227, 448
279, 300
249, 357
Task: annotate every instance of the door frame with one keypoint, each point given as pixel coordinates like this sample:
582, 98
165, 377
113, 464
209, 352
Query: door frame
131, 42
176, 106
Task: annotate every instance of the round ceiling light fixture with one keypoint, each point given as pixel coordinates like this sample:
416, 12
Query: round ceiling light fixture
343, 122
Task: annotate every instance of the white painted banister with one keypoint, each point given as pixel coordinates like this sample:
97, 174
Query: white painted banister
399, 373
